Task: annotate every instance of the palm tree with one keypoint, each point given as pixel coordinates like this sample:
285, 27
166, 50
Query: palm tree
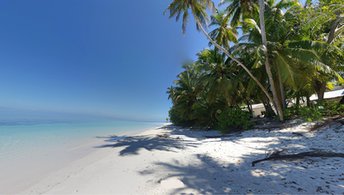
220, 79
184, 95
330, 16
223, 34
278, 106
198, 10
293, 61
237, 7
237, 10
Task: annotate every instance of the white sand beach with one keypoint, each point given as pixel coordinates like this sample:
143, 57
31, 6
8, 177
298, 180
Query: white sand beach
128, 97
171, 160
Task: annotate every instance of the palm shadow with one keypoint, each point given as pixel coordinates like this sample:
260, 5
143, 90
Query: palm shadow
133, 144
208, 175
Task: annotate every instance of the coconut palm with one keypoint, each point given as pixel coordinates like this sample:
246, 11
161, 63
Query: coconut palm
184, 95
239, 9
327, 24
243, 10
290, 57
284, 54
223, 33
277, 104
198, 10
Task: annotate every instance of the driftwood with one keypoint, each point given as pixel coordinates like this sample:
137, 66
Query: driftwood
327, 121
298, 134
222, 136
272, 126
217, 136
317, 153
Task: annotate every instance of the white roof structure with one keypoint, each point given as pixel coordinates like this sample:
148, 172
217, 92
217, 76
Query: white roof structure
257, 108
329, 94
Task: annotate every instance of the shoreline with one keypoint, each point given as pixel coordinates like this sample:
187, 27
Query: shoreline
24, 172
54, 178
170, 160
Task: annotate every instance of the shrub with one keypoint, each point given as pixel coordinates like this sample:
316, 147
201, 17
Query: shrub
330, 108
232, 119
310, 114
177, 117
315, 112
290, 112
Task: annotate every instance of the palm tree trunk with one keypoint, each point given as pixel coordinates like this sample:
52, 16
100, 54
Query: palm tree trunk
267, 64
249, 107
308, 101
235, 60
268, 109
331, 35
281, 87
320, 87
333, 28
297, 103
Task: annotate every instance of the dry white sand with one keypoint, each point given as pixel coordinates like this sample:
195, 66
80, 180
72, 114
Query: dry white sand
184, 161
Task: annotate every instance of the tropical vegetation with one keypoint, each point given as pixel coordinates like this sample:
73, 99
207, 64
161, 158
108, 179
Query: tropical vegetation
277, 53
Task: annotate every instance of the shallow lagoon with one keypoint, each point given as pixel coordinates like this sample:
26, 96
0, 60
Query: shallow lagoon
33, 149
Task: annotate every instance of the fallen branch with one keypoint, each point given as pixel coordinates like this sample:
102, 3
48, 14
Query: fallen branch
327, 121
279, 156
223, 136
298, 134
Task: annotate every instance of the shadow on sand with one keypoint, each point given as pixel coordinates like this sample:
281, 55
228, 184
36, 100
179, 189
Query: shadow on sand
209, 174
133, 144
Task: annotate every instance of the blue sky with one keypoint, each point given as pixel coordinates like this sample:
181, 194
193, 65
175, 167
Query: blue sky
103, 58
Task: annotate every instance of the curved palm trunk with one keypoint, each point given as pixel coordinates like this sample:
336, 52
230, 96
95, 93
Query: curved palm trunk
235, 60
331, 34
282, 91
267, 64
321, 87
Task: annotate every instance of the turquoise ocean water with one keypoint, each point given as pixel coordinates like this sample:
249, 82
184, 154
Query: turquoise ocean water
20, 139
29, 151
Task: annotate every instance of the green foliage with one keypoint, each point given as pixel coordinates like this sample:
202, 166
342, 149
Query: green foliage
206, 86
331, 108
291, 112
177, 117
312, 113
315, 112
305, 51
233, 119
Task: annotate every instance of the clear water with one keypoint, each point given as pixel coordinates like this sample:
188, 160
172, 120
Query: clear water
35, 149
18, 139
